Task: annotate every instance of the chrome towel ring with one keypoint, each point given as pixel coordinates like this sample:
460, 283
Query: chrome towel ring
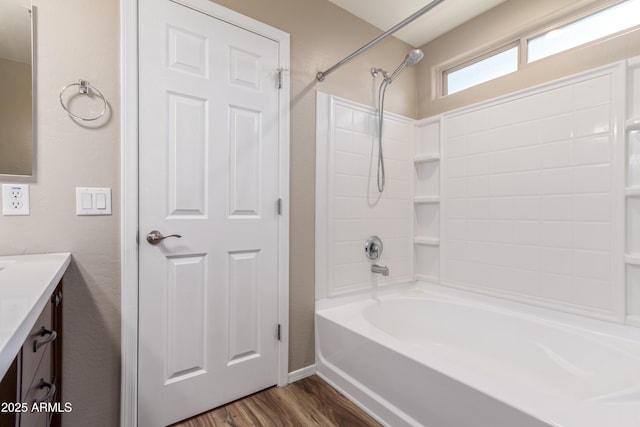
84, 88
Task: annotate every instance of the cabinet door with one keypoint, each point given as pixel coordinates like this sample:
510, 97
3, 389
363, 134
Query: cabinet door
9, 393
35, 375
41, 366
35, 346
41, 390
56, 356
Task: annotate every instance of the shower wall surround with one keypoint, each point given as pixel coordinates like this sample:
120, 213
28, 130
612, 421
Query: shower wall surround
349, 208
533, 197
632, 193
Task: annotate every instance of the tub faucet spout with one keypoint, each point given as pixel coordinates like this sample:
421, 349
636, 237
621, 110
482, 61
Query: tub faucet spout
375, 268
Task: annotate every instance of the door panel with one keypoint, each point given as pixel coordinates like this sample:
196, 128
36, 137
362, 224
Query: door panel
186, 330
244, 191
243, 305
209, 172
187, 172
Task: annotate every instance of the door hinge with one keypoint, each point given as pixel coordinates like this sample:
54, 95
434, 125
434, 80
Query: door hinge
279, 206
280, 72
278, 331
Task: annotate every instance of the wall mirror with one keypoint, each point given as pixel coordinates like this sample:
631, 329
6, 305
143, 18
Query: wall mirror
17, 91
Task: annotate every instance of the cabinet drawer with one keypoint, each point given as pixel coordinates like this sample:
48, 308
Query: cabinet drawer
34, 419
39, 392
35, 346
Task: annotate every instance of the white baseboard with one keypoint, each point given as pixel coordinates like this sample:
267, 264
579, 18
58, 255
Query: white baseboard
301, 373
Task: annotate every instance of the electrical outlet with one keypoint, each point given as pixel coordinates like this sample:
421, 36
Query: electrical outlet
15, 192
15, 199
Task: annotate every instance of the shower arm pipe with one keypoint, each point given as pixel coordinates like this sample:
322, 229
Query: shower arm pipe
320, 76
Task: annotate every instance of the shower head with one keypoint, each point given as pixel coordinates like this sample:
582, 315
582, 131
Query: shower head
412, 58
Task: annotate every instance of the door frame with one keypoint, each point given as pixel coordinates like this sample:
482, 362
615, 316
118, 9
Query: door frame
129, 192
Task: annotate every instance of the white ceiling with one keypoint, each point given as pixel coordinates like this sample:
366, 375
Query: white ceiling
384, 14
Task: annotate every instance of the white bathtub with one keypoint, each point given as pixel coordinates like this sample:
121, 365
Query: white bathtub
439, 357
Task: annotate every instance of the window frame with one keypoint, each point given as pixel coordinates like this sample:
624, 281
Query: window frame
570, 19
521, 41
487, 54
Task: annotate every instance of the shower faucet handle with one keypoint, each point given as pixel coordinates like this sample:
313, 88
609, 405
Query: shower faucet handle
373, 248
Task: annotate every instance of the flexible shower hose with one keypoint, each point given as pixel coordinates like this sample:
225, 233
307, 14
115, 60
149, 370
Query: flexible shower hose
381, 173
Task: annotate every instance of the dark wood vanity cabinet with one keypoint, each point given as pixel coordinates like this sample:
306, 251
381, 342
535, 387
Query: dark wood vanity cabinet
56, 357
30, 391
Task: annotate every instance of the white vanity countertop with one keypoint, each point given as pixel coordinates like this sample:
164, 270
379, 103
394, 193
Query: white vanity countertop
26, 284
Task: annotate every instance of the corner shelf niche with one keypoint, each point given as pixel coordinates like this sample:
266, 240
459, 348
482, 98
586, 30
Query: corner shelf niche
423, 200
426, 201
427, 158
428, 241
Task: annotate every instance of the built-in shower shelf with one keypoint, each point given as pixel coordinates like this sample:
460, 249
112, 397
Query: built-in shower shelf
428, 158
632, 191
428, 241
632, 259
427, 189
426, 199
633, 124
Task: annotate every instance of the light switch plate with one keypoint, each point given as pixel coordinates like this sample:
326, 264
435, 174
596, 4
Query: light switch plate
15, 199
93, 201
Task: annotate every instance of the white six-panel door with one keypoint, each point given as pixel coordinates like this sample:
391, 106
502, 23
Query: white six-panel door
208, 300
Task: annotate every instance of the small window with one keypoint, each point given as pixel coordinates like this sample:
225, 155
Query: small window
600, 24
487, 68
606, 22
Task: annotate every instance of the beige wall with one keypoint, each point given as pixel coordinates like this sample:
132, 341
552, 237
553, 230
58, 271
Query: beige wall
78, 39
15, 118
503, 24
321, 35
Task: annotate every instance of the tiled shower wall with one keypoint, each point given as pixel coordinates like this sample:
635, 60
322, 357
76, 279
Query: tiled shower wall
632, 193
349, 208
532, 197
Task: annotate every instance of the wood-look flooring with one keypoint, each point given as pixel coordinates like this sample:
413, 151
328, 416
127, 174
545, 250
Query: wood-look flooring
308, 402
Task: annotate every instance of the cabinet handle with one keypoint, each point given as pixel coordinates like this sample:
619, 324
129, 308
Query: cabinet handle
42, 332
56, 298
52, 390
